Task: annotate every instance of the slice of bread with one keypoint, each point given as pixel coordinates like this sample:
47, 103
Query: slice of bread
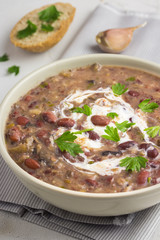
41, 41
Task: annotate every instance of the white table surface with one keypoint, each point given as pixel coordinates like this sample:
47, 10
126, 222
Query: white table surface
12, 227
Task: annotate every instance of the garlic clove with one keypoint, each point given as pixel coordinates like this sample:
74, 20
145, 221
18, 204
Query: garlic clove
116, 40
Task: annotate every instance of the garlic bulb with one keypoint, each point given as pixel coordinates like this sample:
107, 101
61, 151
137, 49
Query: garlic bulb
116, 40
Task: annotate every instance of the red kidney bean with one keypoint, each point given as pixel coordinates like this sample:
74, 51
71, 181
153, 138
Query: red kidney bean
79, 127
91, 182
133, 93
21, 120
150, 97
130, 119
157, 89
154, 164
88, 154
69, 157
100, 120
65, 122
43, 135
93, 135
125, 145
47, 141
144, 146
80, 158
156, 177
27, 98
155, 180
39, 123
49, 117
14, 114
35, 92
47, 171
97, 158
157, 101
32, 104
32, 163
108, 179
153, 153
158, 142
138, 81
142, 177
14, 134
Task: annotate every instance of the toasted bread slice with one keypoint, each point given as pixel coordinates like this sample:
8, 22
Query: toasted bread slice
41, 41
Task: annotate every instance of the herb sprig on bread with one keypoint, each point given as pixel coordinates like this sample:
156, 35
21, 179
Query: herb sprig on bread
42, 28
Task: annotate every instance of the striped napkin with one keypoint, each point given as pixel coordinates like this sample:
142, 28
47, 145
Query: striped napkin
15, 198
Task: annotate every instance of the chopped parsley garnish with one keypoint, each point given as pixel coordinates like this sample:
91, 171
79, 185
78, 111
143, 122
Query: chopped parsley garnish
90, 162
44, 85
90, 85
14, 69
28, 31
112, 115
85, 110
112, 134
66, 143
153, 131
51, 105
47, 28
119, 89
145, 106
49, 14
130, 79
124, 125
133, 163
4, 58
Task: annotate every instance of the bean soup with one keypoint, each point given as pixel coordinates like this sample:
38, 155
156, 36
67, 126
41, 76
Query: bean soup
90, 129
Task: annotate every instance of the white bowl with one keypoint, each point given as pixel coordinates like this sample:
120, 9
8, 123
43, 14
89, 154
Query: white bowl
96, 204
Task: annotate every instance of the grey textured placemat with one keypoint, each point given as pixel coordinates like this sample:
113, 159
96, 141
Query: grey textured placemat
14, 197
145, 42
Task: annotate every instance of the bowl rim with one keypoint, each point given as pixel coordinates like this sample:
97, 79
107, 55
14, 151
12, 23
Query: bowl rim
22, 173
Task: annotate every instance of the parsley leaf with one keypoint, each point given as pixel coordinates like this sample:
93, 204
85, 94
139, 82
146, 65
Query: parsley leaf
47, 28
14, 69
133, 163
130, 79
112, 134
119, 89
124, 126
85, 109
49, 14
66, 143
153, 131
72, 148
4, 58
29, 30
112, 115
90, 84
145, 106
